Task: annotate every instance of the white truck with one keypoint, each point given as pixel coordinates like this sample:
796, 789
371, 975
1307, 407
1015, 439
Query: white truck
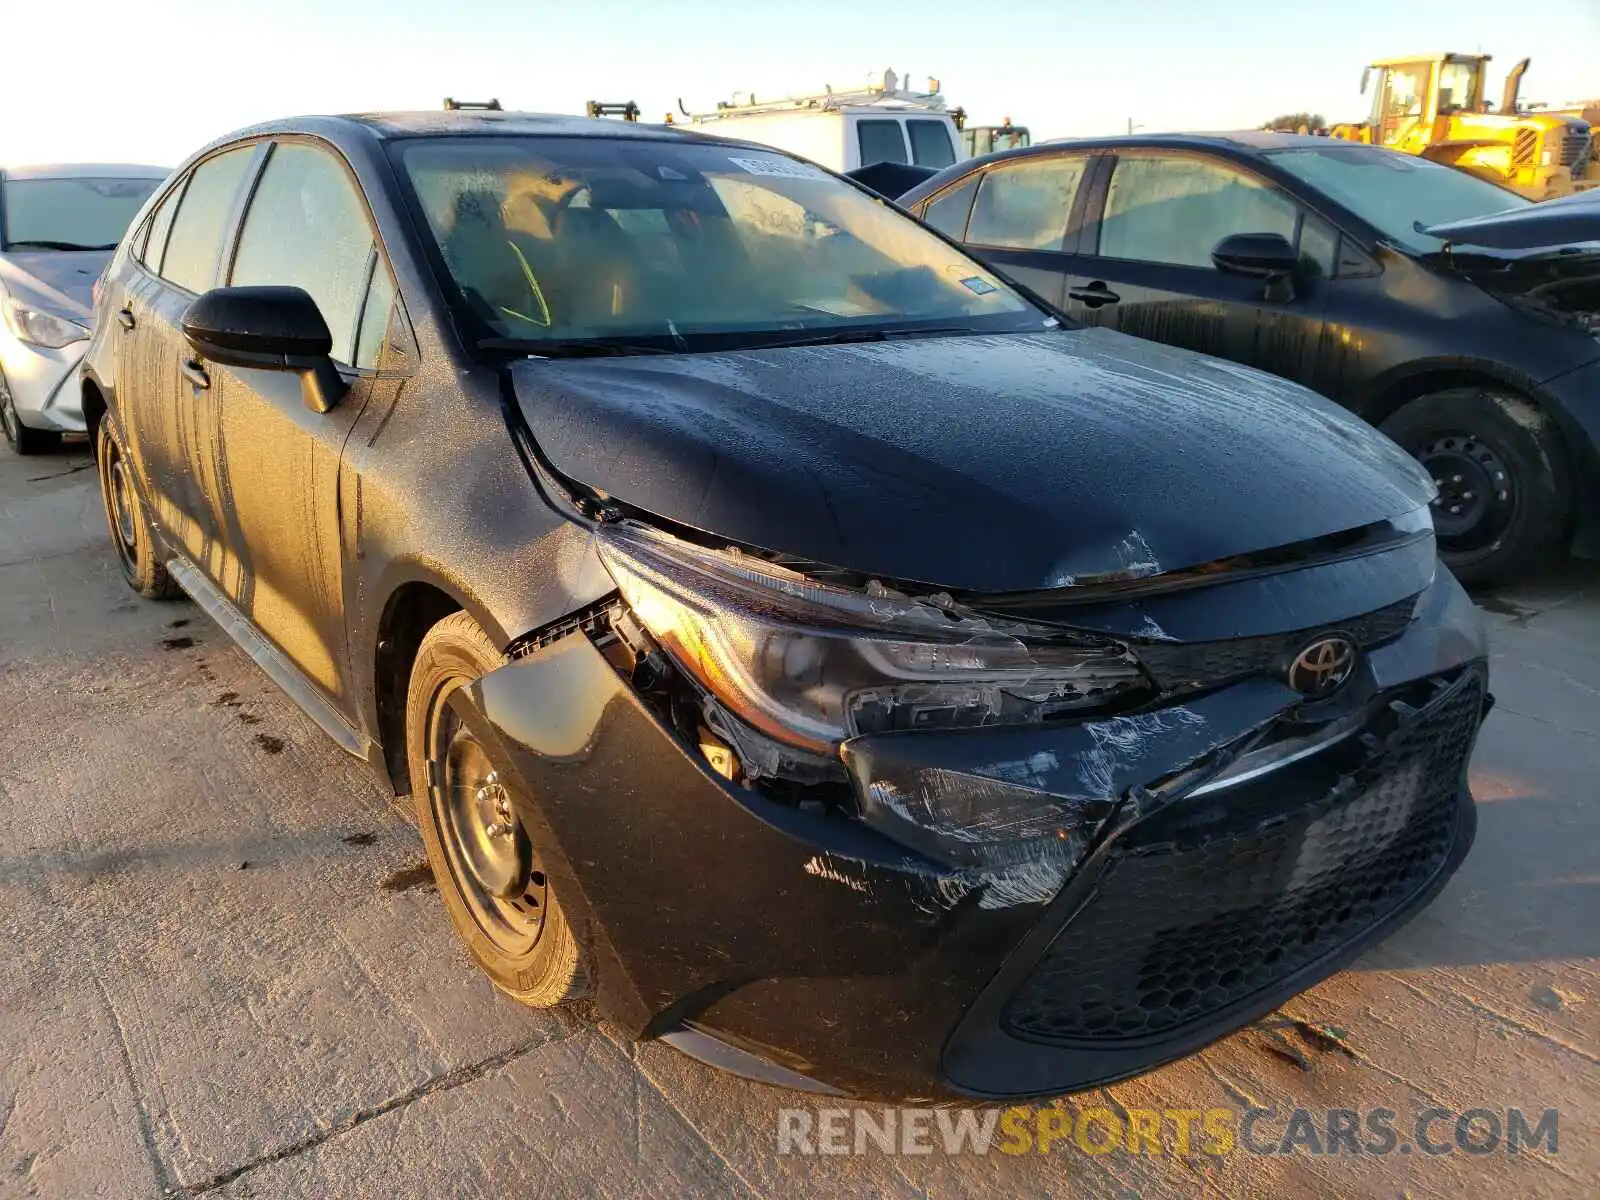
844, 130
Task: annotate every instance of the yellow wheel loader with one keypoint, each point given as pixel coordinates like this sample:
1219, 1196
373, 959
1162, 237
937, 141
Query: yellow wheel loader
1434, 105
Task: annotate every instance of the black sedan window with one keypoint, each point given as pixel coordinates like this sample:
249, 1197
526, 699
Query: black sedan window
949, 210
195, 242
1174, 209
307, 228
562, 239
1024, 205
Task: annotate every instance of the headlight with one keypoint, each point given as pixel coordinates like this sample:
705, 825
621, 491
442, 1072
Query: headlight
1546, 158
40, 328
811, 664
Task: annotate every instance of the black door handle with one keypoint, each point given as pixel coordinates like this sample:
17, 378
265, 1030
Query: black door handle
195, 374
125, 318
1095, 294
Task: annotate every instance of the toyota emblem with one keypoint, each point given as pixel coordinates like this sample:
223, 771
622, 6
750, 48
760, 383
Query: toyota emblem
1323, 667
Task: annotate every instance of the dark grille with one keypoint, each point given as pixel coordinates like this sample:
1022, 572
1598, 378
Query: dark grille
1178, 665
1574, 148
1192, 920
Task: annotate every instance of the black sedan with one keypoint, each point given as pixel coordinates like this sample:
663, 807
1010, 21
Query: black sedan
1332, 264
787, 631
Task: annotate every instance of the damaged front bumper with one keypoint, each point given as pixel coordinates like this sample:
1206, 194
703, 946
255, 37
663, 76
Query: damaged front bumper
1188, 888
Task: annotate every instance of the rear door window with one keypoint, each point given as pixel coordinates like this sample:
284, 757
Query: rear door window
159, 226
195, 243
1024, 205
948, 211
881, 141
307, 228
930, 143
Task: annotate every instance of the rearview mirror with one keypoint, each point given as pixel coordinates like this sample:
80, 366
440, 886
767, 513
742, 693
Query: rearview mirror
1258, 255
271, 329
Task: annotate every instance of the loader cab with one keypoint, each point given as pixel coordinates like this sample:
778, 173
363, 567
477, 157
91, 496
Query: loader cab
1413, 93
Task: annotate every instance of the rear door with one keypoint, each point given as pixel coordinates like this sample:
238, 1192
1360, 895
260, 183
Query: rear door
307, 225
1018, 215
1144, 262
876, 140
166, 408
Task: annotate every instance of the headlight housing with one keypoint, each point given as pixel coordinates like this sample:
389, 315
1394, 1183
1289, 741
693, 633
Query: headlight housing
39, 328
812, 664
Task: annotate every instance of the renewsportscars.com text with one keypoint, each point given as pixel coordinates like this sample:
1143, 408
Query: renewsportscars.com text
1180, 1131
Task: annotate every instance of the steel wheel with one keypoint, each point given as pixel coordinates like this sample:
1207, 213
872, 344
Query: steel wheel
122, 508
489, 852
1477, 491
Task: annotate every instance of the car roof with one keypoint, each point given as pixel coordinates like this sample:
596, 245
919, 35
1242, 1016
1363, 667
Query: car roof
455, 122
1243, 139
1242, 143
86, 171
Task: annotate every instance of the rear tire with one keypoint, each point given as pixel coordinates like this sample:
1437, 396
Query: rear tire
1506, 493
500, 901
125, 519
22, 439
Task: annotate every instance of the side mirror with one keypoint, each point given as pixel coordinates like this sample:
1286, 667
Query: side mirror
1264, 256
1366, 78
269, 329
1258, 255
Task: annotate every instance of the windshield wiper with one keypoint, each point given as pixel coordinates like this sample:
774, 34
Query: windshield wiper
841, 337
47, 245
571, 347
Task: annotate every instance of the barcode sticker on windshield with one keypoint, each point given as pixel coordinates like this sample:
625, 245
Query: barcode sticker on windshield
786, 168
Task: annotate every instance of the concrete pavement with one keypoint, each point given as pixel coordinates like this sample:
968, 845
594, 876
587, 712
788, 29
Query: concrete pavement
224, 970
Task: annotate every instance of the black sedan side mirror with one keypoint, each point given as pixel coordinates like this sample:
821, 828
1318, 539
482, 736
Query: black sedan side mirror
1265, 256
270, 329
1258, 255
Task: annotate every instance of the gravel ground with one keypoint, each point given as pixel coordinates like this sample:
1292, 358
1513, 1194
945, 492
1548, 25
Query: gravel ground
225, 969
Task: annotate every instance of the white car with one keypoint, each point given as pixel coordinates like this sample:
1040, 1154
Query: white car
58, 227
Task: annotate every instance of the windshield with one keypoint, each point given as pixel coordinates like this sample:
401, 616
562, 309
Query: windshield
1396, 192
708, 247
71, 214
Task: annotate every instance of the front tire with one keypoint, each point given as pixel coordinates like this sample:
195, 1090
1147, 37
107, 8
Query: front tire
130, 532
488, 870
23, 439
1505, 488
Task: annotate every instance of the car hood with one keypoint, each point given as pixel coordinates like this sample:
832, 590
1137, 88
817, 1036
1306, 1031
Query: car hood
58, 281
1564, 222
1544, 258
981, 463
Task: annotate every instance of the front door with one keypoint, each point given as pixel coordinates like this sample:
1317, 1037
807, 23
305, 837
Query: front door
278, 460
1145, 266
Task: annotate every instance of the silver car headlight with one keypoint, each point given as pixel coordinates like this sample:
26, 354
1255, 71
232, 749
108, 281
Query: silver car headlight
39, 328
812, 664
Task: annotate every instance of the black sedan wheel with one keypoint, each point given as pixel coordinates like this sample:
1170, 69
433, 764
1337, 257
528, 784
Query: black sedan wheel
23, 439
1505, 493
486, 864
130, 533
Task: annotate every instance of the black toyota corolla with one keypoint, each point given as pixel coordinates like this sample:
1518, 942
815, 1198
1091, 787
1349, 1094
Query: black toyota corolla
790, 633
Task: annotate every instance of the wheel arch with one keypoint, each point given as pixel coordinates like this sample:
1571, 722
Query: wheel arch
1392, 391
413, 606
95, 407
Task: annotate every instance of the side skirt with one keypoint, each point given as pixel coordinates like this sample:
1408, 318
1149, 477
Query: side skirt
269, 658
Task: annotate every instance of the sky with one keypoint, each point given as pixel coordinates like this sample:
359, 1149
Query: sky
151, 81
